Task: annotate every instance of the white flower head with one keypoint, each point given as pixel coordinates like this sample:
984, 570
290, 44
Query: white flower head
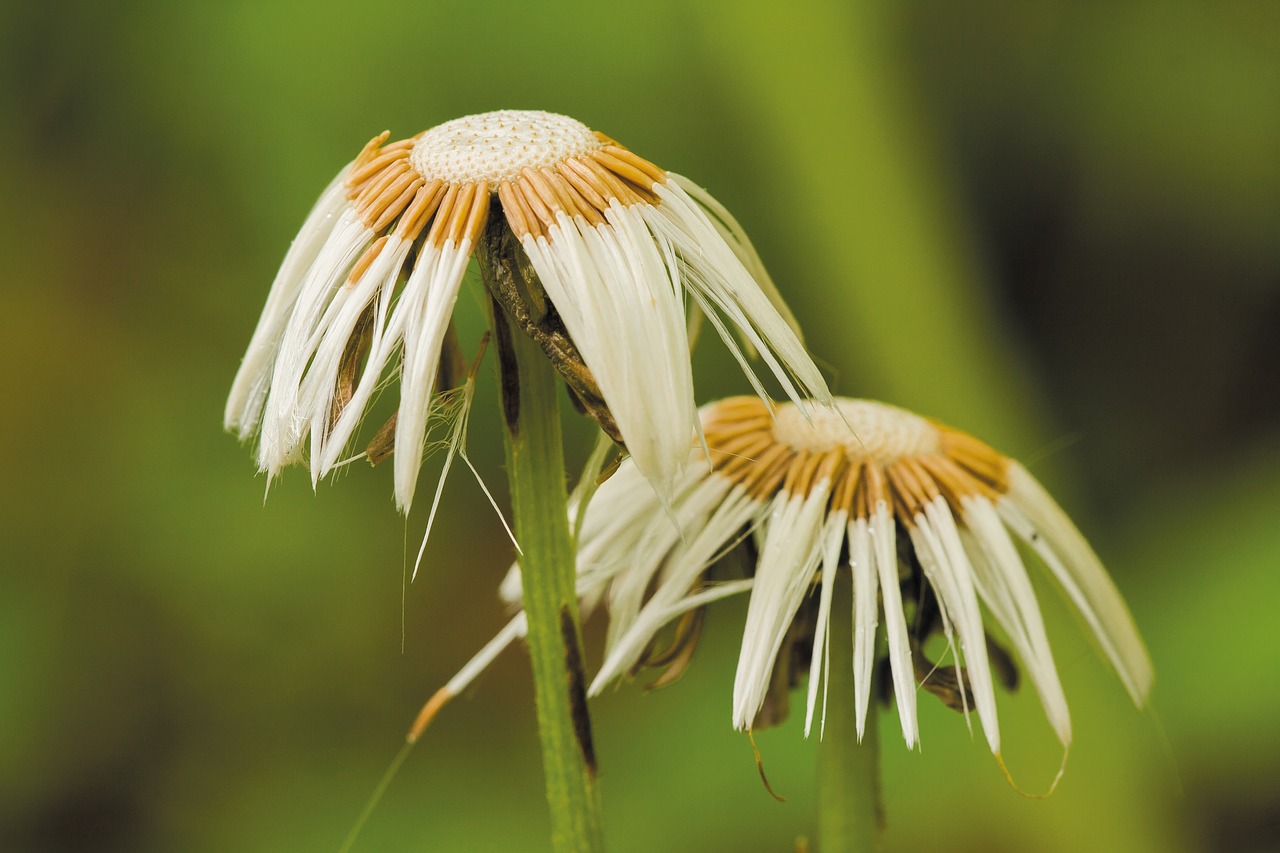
923, 519
625, 252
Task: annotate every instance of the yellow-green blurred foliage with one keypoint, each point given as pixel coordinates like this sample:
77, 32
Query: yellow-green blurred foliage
1058, 227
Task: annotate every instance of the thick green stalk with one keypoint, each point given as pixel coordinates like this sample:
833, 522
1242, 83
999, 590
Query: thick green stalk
849, 814
536, 472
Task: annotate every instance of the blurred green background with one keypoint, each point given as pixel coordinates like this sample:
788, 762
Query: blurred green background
1058, 227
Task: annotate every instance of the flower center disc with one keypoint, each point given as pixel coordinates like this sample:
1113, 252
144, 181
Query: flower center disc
496, 146
864, 429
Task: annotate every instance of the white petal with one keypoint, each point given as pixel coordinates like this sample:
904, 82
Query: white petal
621, 303
1034, 516
714, 270
865, 607
691, 516
426, 304
284, 424
249, 390
336, 326
514, 630
624, 501
736, 236
885, 553
1005, 588
784, 574
681, 570
511, 590
387, 332
703, 544
947, 567
652, 619
616, 520
820, 658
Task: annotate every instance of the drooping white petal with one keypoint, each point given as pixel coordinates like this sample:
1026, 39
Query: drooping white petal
820, 658
790, 556
885, 554
617, 521
736, 236
865, 607
621, 303
426, 305
712, 268
652, 619
336, 327
1036, 518
1002, 581
706, 543
249, 390
708, 312
387, 332
681, 569
947, 566
614, 523
512, 631
692, 516
626, 501
510, 589
285, 424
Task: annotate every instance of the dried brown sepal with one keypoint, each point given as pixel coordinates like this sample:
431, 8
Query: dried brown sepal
677, 656
948, 683
675, 670
530, 290
508, 369
383, 443
610, 468
576, 401
517, 293
776, 707
1003, 664
353, 354
452, 370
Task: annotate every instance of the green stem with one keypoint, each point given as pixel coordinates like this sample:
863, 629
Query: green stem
536, 472
849, 815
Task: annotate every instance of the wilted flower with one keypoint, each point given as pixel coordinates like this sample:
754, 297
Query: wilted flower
619, 246
919, 515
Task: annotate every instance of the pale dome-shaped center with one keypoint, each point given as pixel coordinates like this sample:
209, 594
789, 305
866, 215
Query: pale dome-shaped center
863, 429
496, 146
